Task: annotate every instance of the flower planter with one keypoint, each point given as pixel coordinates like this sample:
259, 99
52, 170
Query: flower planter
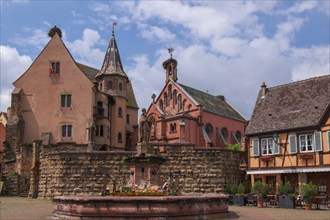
286, 202
239, 200
308, 206
260, 204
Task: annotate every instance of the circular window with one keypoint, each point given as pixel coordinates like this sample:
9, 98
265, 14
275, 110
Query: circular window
209, 129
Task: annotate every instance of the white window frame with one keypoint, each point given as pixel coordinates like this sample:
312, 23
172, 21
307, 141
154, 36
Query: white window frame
268, 145
67, 103
305, 142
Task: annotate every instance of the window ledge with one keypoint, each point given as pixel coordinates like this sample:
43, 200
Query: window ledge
306, 155
267, 157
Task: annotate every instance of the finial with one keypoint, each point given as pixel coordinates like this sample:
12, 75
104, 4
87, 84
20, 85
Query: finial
113, 28
170, 51
153, 98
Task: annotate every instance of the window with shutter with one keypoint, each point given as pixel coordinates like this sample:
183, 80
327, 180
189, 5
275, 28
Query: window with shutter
293, 144
255, 147
318, 140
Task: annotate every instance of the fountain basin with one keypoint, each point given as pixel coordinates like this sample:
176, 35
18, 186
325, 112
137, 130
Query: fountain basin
140, 207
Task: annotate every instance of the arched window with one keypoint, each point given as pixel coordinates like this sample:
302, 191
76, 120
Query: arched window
209, 129
224, 133
165, 100
175, 98
179, 102
161, 106
238, 136
120, 137
184, 104
109, 84
170, 91
120, 86
120, 112
189, 106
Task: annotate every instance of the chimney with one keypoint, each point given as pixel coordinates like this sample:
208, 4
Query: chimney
263, 90
222, 97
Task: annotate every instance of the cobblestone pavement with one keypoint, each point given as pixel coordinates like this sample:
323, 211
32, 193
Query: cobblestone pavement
17, 208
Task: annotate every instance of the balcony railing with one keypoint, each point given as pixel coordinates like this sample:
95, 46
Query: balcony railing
98, 111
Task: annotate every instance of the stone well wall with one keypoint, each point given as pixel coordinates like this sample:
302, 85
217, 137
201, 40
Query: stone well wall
196, 170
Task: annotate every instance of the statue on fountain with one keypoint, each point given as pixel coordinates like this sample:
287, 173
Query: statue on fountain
144, 127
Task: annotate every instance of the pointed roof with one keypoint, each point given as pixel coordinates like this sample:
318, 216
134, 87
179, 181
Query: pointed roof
112, 63
295, 105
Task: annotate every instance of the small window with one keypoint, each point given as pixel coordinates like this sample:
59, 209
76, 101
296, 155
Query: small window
66, 131
54, 68
165, 100
100, 86
267, 146
175, 98
110, 85
66, 101
127, 119
120, 86
161, 104
170, 91
306, 143
180, 102
99, 130
224, 133
120, 112
120, 138
209, 129
189, 106
173, 127
238, 136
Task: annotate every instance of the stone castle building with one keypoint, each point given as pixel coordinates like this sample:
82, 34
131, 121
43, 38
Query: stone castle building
71, 126
58, 102
182, 114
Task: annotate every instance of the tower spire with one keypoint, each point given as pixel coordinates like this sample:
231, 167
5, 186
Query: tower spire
112, 63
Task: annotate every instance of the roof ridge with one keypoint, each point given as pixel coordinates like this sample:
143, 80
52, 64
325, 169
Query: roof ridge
87, 66
299, 81
198, 90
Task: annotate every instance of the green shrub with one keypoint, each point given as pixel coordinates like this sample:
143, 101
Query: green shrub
308, 191
236, 147
260, 189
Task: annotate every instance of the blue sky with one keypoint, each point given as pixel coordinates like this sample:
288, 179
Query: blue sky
222, 47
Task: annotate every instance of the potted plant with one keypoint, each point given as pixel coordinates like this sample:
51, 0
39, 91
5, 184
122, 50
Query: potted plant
239, 198
261, 190
308, 191
286, 197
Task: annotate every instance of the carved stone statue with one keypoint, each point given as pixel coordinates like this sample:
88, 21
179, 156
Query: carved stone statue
144, 128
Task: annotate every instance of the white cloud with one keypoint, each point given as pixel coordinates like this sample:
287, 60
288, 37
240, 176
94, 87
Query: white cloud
155, 33
34, 37
84, 50
12, 65
310, 62
286, 31
301, 6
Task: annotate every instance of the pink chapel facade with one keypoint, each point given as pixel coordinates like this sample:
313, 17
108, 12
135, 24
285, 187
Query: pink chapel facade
182, 114
60, 101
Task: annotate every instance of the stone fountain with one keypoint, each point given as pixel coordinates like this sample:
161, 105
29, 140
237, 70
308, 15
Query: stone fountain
144, 196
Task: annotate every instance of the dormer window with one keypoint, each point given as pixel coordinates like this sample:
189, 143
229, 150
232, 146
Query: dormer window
100, 86
54, 68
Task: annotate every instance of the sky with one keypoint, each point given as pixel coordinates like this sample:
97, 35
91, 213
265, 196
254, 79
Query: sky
222, 47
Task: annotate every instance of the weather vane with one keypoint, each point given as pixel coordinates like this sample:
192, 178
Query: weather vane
113, 27
170, 51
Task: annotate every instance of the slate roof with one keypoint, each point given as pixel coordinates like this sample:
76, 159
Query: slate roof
295, 105
213, 104
91, 73
112, 62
